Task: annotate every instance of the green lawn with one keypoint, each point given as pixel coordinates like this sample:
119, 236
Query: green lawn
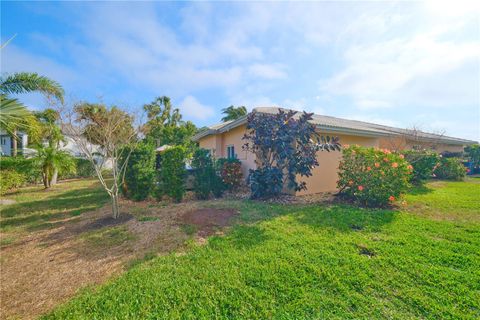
310, 262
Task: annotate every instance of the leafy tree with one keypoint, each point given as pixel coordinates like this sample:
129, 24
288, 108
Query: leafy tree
165, 125
233, 113
101, 133
285, 145
473, 154
172, 173
13, 114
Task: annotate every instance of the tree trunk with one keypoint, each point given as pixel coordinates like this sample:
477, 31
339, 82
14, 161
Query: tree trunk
45, 179
53, 181
115, 208
14, 143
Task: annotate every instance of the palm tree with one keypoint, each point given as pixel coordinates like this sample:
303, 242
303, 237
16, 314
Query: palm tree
233, 113
13, 114
52, 160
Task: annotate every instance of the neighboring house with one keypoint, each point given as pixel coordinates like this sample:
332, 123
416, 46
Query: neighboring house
225, 140
6, 143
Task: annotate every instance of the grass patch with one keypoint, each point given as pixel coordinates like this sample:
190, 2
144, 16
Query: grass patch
148, 218
189, 229
107, 237
313, 261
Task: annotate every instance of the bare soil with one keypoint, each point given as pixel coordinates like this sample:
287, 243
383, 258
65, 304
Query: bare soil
44, 268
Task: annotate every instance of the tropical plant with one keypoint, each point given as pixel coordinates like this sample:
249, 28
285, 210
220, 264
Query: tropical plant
51, 160
165, 125
206, 181
13, 114
172, 173
233, 113
10, 180
231, 173
371, 176
140, 173
287, 142
450, 169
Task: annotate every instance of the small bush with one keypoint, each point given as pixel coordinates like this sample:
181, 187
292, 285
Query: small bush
10, 180
450, 169
140, 172
423, 162
266, 182
231, 173
206, 179
372, 176
27, 167
172, 173
83, 169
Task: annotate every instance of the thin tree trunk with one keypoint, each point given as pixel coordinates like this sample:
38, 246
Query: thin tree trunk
115, 209
53, 181
45, 178
14, 143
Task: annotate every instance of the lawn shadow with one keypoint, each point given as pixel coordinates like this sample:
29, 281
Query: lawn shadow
38, 214
345, 218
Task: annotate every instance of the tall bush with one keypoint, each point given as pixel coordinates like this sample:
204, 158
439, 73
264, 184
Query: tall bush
284, 142
172, 173
140, 172
423, 162
26, 167
372, 176
207, 181
450, 169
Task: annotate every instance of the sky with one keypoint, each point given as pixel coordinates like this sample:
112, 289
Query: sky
405, 64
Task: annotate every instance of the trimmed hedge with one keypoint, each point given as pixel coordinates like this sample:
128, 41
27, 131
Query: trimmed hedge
140, 172
373, 177
450, 169
10, 180
172, 173
26, 167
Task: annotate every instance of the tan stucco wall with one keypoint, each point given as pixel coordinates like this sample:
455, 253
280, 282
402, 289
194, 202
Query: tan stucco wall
400, 143
325, 176
233, 137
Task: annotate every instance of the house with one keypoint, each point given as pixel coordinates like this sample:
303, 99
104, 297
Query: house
225, 140
6, 143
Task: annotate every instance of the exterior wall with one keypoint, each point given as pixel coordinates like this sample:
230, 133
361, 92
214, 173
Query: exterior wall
324, 177
400, 143
218, 145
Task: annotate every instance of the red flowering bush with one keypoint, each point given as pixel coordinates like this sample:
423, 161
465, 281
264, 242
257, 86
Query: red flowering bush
373, 177
231, 173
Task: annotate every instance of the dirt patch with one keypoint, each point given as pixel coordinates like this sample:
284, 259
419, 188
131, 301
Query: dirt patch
208, 220
103, 222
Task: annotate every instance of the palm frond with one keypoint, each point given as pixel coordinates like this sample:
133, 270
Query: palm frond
23, 82
12, 113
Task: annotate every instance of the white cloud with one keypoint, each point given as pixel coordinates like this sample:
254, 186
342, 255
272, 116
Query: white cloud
191, 108
267, 71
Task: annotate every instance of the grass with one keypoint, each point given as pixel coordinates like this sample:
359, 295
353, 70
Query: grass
310, 262
38, 209
107, 237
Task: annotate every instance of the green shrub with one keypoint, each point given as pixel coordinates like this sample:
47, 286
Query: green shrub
206, 180
172, 173
83, 169
372, 176
231, 173
140, 172
266, 182
450, 169
423, 162
10, 180
27, 167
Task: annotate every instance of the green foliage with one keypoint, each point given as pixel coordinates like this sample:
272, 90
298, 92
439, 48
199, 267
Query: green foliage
24, 82
372, 176
165, 125
233, 113
266, 182
473, 154
172, 173
27, 167
206, 181
10, 180
423, 162
231, 173
50, 159
84, 168
450, 169
312, 262
284, 142
140, 172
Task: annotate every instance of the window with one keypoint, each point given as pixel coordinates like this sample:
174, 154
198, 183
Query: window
231, 152
4, 141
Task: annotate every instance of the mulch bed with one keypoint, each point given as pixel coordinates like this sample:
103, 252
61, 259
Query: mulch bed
208, 220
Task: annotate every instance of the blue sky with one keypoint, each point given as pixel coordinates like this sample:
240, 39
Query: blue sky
403, 64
